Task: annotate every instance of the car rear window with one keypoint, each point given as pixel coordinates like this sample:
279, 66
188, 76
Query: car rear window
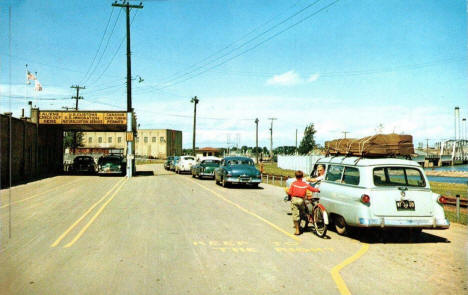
189, 158
396, 176
240, 162
211, 162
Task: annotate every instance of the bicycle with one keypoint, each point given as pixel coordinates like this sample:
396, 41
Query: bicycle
314, 213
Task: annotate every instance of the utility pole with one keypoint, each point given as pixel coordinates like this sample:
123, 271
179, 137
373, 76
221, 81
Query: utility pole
195, 101
427, 147
256, 139
271, 137
296, 139
130, 127
77, 97
345, 132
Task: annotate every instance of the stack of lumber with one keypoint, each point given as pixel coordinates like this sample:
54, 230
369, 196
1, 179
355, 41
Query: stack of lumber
378, 145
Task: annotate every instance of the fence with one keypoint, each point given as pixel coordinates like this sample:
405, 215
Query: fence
304, 163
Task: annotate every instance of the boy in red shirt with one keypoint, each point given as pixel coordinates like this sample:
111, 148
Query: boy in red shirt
298, 192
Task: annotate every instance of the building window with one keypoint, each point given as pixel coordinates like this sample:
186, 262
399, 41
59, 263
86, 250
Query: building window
119, 139
162, 139
90, 140
146, 139
100, 139
110, 140
153, 139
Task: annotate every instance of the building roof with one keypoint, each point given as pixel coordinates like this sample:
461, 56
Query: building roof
207, 149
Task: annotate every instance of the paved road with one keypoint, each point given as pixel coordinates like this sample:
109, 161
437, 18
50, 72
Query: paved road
172, 234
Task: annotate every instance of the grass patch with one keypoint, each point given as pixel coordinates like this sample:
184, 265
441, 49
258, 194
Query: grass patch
272, 168
449, 189
452, 217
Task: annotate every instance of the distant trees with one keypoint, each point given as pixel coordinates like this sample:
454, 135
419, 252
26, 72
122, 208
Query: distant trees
68, 140
285, 150
308, 141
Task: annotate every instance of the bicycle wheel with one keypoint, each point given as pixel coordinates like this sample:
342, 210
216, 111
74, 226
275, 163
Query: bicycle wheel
319, 222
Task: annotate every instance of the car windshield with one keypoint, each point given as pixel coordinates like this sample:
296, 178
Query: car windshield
398, 176
111, 160
241, 162
84, 159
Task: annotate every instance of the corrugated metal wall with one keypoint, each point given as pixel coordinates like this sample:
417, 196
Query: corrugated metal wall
304, 163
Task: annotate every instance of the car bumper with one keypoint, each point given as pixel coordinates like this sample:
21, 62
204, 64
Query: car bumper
420, 222
206, 174
242, 180
110, 172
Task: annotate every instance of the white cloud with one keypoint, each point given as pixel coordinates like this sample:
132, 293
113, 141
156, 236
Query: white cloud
291, 78
286, 79
313, 78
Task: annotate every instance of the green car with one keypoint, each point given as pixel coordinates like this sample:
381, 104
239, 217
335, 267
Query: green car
111, 164
237, 170
167, 164
206, 167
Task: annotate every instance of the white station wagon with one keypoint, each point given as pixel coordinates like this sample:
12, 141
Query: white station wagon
384, 192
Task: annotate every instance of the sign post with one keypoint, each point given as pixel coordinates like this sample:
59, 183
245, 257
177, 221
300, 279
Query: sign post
130, 145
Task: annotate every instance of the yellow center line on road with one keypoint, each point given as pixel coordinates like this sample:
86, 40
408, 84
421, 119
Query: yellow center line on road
247, 211
335, 272
59, 239
39, 194
94, 217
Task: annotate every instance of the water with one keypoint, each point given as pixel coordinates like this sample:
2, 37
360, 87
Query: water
448, 179
450, 168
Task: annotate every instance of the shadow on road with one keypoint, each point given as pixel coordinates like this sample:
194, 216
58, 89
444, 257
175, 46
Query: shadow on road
394, 236
144, 173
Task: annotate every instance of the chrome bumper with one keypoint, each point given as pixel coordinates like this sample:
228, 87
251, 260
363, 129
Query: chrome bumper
240, 180
429, 223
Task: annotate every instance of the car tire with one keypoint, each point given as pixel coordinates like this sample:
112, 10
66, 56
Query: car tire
340, 225
225, 183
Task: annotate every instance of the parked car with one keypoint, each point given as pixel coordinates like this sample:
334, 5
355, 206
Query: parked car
383, 192
205, 167
173, 163
237, 170
112, 164
185, 164
167, 164
84, 164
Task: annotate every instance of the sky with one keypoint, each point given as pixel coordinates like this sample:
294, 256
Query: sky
357, 66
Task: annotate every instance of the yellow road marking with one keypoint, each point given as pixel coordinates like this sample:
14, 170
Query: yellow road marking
248, 212
38, 194
94, 217
85, 214
335, 272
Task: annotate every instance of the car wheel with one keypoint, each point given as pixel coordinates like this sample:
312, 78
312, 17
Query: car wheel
225, 183
340, 225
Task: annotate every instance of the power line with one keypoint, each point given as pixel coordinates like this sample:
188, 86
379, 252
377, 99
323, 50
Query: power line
105, 48
115, 53
99, 47
231, 44
246, 42
255, 46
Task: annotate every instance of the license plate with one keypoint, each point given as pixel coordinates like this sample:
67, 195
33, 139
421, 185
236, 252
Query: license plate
405, 205
245, 179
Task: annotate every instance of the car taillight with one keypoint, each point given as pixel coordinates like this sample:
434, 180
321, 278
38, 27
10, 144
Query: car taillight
229, 174
442, 199
365, 199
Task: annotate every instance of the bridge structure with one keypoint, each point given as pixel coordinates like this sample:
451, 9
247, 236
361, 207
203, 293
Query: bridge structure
453, 151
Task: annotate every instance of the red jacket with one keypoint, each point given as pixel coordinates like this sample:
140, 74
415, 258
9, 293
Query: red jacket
299, 189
